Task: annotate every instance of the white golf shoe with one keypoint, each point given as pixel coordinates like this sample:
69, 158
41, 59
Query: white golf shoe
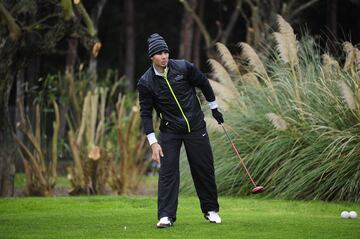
164, 222
213, 217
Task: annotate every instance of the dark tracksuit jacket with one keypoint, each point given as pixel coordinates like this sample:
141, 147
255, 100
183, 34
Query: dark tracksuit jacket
182, 121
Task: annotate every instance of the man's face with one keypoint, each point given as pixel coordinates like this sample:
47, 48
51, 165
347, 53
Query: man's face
160, 59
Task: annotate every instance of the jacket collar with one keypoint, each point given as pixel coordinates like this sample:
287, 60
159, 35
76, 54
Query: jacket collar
158, 73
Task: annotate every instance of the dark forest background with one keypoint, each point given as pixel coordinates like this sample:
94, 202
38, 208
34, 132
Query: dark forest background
329, 21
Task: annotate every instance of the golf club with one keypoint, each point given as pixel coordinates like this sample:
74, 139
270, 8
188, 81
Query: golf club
256, 189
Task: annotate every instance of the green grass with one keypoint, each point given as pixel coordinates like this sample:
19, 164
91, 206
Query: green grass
107, 217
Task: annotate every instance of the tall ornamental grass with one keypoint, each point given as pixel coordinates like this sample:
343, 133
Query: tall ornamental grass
295, 123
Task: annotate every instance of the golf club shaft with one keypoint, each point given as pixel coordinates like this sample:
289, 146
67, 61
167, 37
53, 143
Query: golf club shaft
237, 153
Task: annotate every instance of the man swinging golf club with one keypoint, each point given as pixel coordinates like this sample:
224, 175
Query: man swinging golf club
168, 86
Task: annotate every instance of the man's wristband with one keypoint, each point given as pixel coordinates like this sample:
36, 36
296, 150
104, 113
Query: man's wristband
213, 105
151, 138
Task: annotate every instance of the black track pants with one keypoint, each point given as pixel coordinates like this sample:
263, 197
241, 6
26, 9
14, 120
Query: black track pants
200, 159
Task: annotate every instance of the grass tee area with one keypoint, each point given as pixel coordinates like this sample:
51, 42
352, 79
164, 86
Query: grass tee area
135, 217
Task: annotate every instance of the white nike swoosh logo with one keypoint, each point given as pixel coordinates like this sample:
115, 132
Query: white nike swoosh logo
204, 134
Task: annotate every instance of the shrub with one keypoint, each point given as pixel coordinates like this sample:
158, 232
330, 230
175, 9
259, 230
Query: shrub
297, 126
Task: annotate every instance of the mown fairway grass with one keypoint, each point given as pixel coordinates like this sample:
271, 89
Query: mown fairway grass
107, 217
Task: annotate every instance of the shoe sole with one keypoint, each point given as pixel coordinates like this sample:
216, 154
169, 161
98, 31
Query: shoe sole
163, 226
212, 221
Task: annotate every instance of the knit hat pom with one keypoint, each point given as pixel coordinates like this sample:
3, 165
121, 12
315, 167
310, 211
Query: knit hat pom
156, 44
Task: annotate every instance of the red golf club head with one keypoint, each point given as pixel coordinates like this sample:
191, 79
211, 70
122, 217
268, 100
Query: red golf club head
257, 189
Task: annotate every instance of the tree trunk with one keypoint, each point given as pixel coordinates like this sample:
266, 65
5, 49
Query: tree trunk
233, 19
95, 16
130, 46
187, 33
209, 43
121, 53
71, 55
69, 71
197, 38
8, 149
8, 70
331, 19
19, 100
92, 71
276, 5
31, 74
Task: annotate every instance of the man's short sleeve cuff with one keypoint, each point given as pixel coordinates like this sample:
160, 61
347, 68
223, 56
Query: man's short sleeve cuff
151, 138
213, 105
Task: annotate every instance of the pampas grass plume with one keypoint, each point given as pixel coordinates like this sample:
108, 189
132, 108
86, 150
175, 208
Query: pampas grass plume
278, 122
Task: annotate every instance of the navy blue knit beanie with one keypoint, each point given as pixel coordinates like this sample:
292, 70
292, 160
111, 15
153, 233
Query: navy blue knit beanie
156, 44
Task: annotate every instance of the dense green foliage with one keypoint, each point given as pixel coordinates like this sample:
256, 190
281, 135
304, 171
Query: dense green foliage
308, 147
135, 217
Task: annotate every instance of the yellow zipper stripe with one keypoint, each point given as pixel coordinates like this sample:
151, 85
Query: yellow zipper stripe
177, 102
